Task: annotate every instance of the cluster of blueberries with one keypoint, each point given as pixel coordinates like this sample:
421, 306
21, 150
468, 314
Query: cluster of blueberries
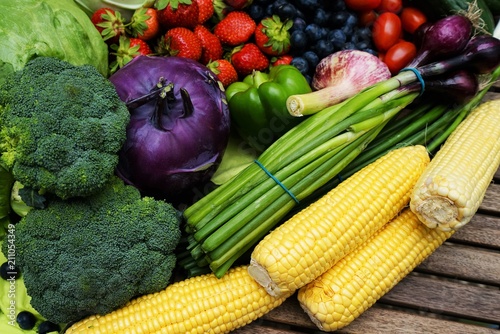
320, 28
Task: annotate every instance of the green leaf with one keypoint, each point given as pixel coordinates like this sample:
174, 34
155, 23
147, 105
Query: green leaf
32, 198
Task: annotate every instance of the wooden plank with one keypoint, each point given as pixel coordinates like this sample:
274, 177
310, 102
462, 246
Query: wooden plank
482, 230
383, 320
491, 200
260, 328
447, 297
464, 263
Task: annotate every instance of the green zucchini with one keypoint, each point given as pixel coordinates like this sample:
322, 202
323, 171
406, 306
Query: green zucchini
441, 8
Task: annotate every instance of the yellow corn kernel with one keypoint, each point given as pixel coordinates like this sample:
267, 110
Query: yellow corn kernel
201, 304
453, 186
357, 281
314, 239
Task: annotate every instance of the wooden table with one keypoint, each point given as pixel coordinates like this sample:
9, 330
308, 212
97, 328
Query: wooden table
456, 290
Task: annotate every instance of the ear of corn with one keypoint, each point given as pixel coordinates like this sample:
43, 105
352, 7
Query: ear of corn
201, 304
451, 189
314, 239
357, 281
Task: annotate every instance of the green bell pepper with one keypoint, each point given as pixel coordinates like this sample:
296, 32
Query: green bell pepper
258, 104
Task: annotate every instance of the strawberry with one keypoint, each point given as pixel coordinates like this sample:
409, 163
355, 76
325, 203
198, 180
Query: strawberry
238, 4
180, 42
126, 50
221, 9
205, 10
281, 60
272, 36
210, 44
236, 28
247, 58
109, 23
144, 23
178, 13
224, 70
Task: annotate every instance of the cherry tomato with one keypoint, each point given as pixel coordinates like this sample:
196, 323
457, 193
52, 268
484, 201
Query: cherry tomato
366, 18
386, 31
399, 55
360, 5
411, 19
393, 6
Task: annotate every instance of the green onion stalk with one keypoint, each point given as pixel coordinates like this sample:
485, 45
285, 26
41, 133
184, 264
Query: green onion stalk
226, 223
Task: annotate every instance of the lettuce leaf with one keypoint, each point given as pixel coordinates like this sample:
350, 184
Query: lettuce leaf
51, 28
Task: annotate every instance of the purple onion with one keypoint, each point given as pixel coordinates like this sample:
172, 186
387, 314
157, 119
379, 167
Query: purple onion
460, 85
446, 37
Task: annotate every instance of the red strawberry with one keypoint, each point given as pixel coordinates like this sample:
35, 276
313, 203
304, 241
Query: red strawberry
126, 50
210, 44
238, 4
205, 10
281, 60
224, 70
144, 23
236, 28
178, 13
248, 58
109, 23
221, 9
272, 36
180, 42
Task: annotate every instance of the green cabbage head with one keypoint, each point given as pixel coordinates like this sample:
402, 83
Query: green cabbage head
51, 28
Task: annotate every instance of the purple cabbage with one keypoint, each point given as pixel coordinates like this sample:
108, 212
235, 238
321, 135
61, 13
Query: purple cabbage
179, 126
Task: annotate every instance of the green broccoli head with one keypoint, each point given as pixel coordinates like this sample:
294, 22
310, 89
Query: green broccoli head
90, 255
61, 127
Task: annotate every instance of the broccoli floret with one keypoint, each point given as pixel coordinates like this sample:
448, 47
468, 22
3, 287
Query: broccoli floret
89, 255
61, 127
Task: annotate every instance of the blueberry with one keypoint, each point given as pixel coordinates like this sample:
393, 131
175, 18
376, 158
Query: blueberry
339, 19
26, 320
48, 327
351, 20
349, 46
338, 38
312, 58
310, 5
362, 45
256, 12
301, 64
363, 34
314, 32
286, 11
298, 24
348, 31
298, 40
324, 48
335, 5
6, 272
321, 17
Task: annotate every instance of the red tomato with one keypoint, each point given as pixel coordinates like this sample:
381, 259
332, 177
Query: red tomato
393, 6
399, 55
386, 31
360, 5
366, 18
411, 19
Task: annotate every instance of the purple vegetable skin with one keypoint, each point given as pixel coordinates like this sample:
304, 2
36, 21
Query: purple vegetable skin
175, 142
